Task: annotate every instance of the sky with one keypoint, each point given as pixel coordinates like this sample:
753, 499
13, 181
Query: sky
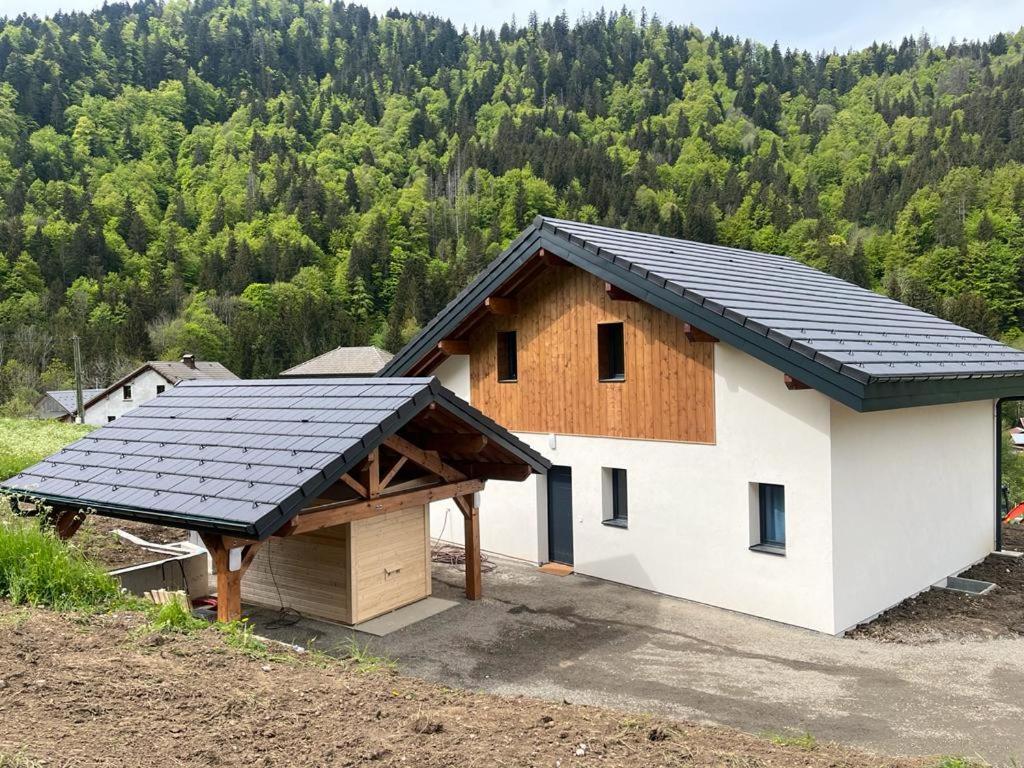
807, 24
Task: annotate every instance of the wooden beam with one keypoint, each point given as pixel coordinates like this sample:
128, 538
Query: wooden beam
471, 534
355, 485
500, 305
429, 460
697, 335
550, 259
617, 294
494, 471
453, 346
315, 518
373, 473
792, 383
453, 443
67, 522
386, 480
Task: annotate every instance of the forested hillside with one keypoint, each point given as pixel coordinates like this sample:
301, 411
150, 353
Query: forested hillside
260, 180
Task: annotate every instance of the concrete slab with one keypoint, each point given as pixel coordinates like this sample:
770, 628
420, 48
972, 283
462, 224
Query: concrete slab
403, 617
594, 642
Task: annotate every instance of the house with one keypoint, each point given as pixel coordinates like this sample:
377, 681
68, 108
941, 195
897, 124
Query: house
308, 493
729, 427
342, 361
61, 403
144, 383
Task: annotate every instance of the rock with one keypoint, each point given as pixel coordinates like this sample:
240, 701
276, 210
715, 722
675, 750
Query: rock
3, 683
581, 749
424, 726
657, 733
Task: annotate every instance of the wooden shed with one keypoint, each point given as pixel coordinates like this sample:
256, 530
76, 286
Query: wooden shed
308, 493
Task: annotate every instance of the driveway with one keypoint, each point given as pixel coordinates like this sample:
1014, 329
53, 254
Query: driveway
594, 642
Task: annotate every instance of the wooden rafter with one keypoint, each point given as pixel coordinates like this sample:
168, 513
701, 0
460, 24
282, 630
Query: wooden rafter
396, 467
429, 460
329, 515
697, 335
617, 294
550, 259
792, 383
355, 485
453, 346
501, 305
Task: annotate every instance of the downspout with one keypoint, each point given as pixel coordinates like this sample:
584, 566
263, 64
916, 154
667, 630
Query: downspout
997, 423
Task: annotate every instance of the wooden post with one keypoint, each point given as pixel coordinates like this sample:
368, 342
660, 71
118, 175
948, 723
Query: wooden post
471, 521
67, 523
229, 582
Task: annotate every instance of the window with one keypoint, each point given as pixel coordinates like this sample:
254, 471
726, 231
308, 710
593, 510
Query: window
126, 390
616, 500
160, 389
771, 518
508, 356
611, 356
111, 418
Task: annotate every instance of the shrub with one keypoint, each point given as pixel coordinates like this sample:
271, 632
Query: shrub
37, 568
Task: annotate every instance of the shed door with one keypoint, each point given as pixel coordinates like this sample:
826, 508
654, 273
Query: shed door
560, 515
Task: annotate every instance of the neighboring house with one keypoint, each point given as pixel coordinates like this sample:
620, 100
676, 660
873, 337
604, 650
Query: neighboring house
144, 383
342, 361
725, 426
60, 403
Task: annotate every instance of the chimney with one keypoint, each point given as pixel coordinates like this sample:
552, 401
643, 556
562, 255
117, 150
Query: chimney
189, 359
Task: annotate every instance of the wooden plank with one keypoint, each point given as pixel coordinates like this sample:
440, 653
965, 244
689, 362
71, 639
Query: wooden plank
359, 510
390, 561
500, 305
697, 336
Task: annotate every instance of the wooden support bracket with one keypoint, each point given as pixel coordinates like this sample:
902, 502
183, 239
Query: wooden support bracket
386, 480
429, 460
617, 294
792, 383
696, 334
500, 305
453, 346
229, 581
550, 259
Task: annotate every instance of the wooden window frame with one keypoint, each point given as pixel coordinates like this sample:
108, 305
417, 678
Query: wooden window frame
508, 357
611, 362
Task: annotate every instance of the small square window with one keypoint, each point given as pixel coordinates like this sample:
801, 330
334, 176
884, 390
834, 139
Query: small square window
160, 389
611, 354
771, 518
126, 391
508, 356
616, 498
111, 418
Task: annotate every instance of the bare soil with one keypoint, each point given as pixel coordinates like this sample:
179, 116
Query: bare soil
942, 615
97, 540
104, 691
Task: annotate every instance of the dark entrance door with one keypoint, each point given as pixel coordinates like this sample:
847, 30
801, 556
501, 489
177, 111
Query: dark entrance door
560, 515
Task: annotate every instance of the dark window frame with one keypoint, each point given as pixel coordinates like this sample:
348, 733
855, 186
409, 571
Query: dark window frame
110, 418
126, 392
771, 518
618, 509
508, 357
161, 388
611, 352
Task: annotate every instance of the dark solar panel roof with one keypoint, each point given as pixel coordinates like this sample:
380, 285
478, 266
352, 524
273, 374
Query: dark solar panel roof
240, 457
862, 348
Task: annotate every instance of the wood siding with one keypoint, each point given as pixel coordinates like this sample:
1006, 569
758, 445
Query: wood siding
386, 558
309, 573
391, 562
668, 392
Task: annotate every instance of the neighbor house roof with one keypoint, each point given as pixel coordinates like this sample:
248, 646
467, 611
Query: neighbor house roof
343, 361
174, 371
68, 399
243, 457
856, 346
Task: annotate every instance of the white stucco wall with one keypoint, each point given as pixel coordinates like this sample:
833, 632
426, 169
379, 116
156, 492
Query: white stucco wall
143, 388
689, 504
913, 499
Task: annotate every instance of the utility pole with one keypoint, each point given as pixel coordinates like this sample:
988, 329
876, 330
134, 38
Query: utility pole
78, 381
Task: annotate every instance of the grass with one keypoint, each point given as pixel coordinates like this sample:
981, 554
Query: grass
23, 442
799, 740
172, 617
38, 569
360, 657
958, 762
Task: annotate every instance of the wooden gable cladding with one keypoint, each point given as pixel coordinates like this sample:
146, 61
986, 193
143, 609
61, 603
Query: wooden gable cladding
668, 392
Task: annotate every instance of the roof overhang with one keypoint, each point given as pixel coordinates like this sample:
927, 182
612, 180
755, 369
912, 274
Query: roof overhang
848, 386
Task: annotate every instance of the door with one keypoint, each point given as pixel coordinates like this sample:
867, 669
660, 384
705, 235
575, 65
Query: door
560, 515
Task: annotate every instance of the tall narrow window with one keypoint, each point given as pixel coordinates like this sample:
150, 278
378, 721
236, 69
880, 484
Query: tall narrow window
126, 391
508, 356
616, 498
611, 355
772, 514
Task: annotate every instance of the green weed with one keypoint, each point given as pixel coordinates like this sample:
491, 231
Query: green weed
362, 659
172, 617
799, 740
958, 762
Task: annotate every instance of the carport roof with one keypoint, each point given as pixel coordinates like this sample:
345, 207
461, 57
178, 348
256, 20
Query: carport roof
241, 457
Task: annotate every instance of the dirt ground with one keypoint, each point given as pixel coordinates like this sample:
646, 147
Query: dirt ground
97, 540
941, 615
106, 692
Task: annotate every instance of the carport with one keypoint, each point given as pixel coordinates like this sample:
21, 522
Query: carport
241, 462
